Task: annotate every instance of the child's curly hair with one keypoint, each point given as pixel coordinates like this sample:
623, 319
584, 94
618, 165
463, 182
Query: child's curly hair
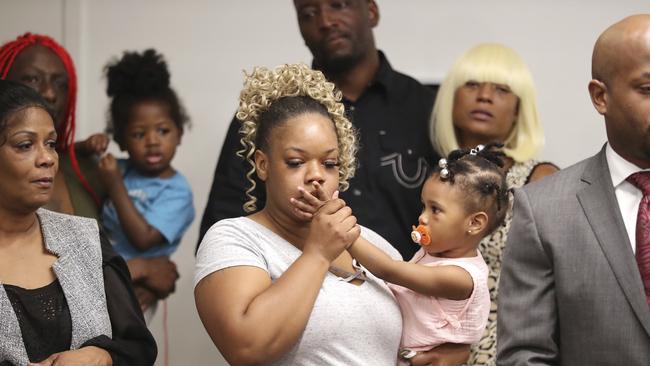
136, 78
270, 97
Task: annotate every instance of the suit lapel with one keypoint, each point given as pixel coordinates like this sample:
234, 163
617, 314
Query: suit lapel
599, 204
79, 271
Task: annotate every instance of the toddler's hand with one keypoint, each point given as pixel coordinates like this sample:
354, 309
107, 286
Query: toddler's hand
95, 144
109, 172
84, 356
308, 204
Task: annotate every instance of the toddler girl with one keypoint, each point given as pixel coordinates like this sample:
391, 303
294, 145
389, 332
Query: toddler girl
150, 203
442, 291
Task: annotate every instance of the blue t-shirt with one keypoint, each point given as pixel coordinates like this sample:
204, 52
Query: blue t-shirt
166, 204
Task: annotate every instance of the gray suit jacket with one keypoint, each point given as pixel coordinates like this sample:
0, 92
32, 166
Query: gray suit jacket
78, 268
570, 290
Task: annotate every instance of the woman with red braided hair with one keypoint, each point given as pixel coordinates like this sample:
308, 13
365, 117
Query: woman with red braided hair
40, 62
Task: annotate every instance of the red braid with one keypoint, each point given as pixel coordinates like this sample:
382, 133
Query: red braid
8, 53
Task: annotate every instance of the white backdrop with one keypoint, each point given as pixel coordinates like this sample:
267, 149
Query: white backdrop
208, 43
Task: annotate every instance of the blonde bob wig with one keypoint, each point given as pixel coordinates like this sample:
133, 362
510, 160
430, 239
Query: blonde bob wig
263, 87
493, 63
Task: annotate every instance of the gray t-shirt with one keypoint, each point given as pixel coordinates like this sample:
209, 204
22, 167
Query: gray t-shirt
349, 325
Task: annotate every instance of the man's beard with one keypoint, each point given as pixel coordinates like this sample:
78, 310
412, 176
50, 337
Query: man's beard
337, 64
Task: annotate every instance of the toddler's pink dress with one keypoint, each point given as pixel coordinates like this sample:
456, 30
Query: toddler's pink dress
430, 321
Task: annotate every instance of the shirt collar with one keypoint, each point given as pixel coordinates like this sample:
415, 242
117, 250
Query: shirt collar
619, 168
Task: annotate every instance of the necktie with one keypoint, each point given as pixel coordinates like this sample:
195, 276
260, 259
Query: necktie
641, 180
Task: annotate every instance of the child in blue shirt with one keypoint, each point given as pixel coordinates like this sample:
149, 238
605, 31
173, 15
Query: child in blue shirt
164, 203
150, 203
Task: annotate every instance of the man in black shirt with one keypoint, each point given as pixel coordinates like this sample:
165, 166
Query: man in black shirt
390, 110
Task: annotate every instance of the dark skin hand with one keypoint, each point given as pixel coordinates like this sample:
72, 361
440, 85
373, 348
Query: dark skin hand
94, 145
157, 275
85, 356
446, 354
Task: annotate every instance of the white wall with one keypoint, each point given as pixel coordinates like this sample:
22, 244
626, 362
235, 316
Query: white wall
208, 43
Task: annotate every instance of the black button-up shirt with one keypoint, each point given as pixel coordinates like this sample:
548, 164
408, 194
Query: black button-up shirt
392, 116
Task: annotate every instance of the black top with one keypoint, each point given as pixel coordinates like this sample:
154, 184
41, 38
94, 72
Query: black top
392, 116
46, 327
44, 319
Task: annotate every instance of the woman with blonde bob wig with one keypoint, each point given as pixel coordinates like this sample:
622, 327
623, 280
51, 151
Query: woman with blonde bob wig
489, 96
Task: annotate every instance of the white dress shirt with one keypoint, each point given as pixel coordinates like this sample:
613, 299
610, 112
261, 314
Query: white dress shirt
628, 196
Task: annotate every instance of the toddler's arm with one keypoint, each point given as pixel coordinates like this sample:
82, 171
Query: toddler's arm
140, 234
447, 281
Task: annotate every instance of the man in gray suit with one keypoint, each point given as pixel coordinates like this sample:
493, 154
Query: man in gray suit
571, 291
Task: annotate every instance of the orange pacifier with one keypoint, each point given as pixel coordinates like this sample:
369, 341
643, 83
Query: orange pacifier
420, 235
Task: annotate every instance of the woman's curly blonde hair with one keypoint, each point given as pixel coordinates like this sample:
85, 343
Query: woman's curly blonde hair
264, 86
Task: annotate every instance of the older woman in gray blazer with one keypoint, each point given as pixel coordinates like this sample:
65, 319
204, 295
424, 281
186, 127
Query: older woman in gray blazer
65, 298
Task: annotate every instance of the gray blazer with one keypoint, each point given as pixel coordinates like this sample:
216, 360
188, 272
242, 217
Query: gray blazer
570, 290
75, 241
